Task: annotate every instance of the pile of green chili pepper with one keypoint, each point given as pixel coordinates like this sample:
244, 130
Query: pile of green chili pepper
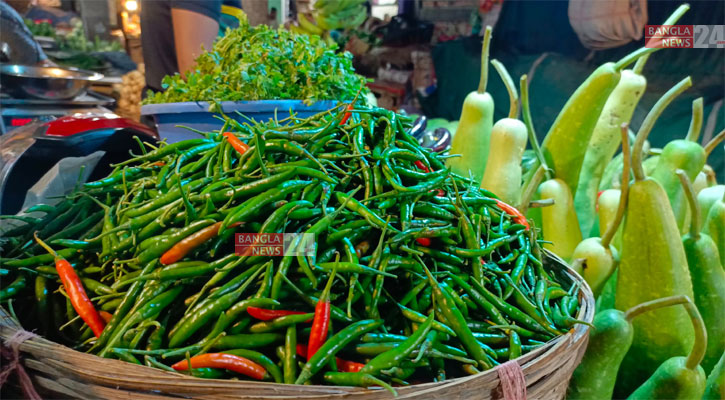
417, 275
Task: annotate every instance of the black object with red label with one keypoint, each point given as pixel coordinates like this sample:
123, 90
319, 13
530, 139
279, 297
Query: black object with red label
28, 152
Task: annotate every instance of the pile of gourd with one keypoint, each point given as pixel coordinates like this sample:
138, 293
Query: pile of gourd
656, 255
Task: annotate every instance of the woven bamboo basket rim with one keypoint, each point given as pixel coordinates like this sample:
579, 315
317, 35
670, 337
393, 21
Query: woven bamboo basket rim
63, 371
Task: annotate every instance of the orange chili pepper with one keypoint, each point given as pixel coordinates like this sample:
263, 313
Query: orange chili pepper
513, 211
74, 288
237, 144
184, 246
226, 361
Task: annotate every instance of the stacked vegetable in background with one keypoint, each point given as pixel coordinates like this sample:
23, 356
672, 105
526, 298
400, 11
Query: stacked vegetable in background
627, 264
416, 275
261, 63
329, 15
73, 48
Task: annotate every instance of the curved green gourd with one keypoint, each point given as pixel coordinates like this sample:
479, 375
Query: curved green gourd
715, 385
607, 206
715, 227
609, 341
473, 134
707, 197
502, 175
606, 298
558, 221
708, 279
679, 378
604, 142
653, 265
679, 154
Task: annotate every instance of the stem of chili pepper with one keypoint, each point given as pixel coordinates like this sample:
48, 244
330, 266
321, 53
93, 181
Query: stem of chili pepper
221, 360
77, 294
321, 322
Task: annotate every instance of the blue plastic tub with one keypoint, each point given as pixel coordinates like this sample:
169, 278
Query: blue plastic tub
167, 117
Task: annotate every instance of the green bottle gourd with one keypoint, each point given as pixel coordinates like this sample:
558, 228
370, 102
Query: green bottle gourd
708, 279
607, 206
715, 384
700, 183
472, 138
605, 139
609, 342
598, 257
508, 137
715, 227
679, 378
559, 223
568, 138
687, 155
678, 154
653, 265
607, 296
707, 198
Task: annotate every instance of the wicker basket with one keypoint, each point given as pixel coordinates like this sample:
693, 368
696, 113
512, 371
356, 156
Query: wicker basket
61, 372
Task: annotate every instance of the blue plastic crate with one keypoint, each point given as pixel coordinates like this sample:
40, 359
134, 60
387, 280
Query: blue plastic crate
167, 117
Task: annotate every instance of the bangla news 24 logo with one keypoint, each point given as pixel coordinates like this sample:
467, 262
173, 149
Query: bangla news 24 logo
274, 244
685, 36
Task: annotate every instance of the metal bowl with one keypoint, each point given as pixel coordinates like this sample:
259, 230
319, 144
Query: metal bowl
47, 83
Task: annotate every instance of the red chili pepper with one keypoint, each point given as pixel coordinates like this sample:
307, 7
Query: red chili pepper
265, 314
77, 294
105, 315
321, 322
347, 115
158, 164
222, 360
342, 365
238, 145
518, 217
424, 241
183, 247
422, 166
348, 366
441, 193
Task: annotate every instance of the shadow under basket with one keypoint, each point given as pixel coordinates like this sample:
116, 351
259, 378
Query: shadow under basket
58, 371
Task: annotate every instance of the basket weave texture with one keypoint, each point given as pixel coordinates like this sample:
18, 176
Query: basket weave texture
60, 372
